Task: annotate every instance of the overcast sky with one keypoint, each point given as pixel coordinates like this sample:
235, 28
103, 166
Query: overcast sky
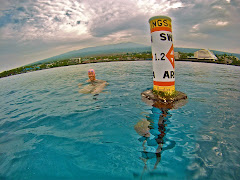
31, 30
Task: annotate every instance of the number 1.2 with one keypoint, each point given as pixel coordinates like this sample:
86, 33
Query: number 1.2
162, 55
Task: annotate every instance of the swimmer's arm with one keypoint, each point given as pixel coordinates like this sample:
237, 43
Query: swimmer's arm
87, 89
80, 84
100, 81
104, 82
99, 88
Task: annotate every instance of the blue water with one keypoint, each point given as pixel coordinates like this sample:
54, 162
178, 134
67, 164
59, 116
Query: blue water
48, 130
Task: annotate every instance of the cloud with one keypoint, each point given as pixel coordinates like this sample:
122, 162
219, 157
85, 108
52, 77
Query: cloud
108, 17
207, 23
43, 28
60, 19
44, 19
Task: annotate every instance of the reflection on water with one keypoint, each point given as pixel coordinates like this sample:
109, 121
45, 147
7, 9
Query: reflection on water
153, 132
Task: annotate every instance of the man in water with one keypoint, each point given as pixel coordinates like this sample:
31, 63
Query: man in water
95, 86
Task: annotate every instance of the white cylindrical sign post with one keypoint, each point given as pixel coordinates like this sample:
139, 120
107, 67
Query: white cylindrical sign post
162, 54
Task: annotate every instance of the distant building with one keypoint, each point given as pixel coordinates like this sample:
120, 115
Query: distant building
191, 57
77, 60
205, 54
29, 69
227, 60
176, 55
234, 57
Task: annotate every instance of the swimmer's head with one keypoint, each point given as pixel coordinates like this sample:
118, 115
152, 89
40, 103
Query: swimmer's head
91, 74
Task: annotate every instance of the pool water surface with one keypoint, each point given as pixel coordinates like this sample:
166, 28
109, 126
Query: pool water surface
48, 130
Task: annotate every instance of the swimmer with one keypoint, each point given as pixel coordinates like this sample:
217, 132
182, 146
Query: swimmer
95, 86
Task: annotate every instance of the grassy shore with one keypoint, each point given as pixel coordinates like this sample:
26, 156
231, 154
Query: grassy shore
110, 58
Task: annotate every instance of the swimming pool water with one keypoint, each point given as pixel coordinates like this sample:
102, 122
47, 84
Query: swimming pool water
48, 130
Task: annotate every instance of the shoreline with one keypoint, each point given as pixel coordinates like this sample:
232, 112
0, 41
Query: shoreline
126, 60
205, 61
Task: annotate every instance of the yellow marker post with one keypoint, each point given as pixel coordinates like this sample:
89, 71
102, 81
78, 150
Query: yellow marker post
162, 54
